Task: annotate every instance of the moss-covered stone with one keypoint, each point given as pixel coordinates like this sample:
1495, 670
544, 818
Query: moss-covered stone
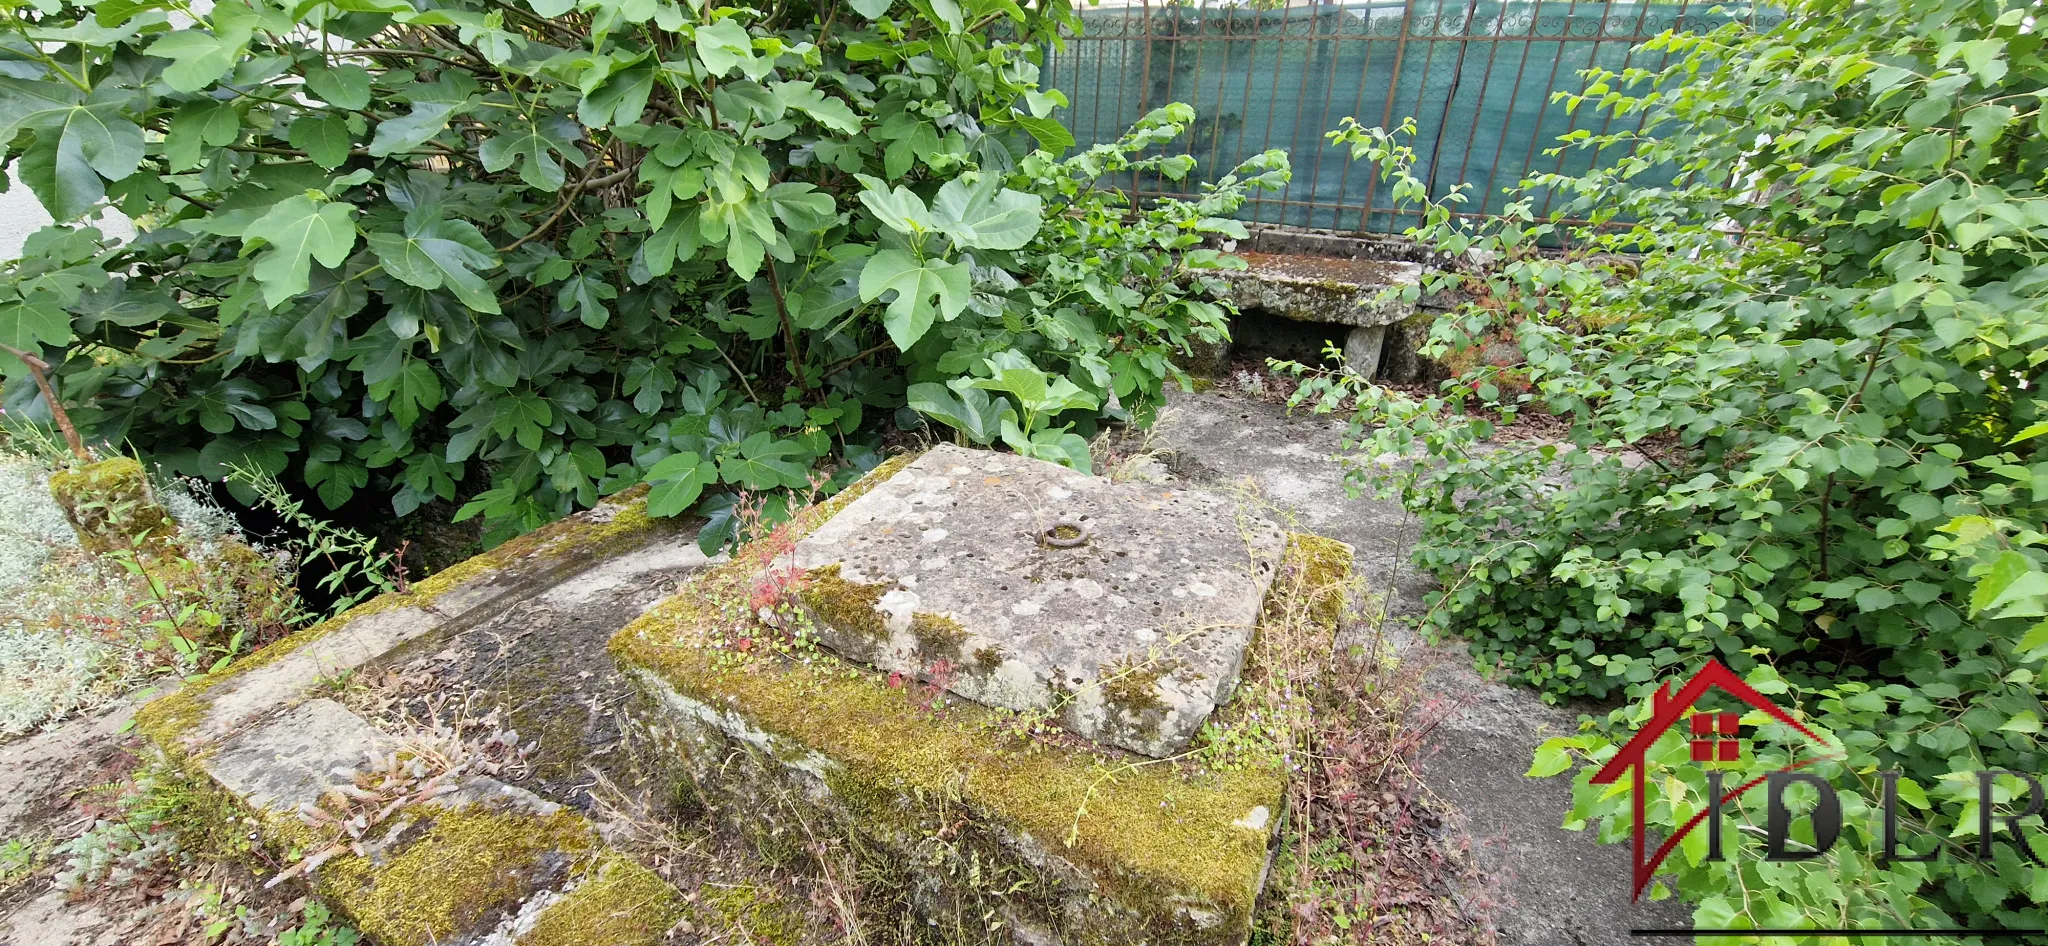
1098, 847
757, 910
464, 867
622, 522
848, 605
1132, 688
111, 506
938, 637
616, 902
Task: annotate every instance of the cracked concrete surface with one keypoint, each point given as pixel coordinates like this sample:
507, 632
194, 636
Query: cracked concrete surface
1551, 887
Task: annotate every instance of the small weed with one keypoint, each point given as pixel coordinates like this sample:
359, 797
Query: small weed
19, 861
352, 568
317, 928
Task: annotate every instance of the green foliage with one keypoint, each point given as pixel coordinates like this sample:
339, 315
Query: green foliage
1800, 371
350, 567
1147, 269
316, 928
526, 254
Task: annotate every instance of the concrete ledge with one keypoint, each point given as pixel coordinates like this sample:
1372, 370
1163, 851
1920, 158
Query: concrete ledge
1323, 288
280, 675
478, 862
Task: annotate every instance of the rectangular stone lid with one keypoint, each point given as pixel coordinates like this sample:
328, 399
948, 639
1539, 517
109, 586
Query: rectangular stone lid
1124, 609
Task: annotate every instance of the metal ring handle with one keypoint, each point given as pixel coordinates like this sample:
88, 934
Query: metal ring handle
1050, 537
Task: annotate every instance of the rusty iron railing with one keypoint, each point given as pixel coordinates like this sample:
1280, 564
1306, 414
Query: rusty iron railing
1478, 76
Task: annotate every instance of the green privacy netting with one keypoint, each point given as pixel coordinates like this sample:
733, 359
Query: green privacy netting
1477, 76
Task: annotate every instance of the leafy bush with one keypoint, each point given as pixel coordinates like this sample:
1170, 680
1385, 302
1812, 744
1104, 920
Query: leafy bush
529, 254
1799, 362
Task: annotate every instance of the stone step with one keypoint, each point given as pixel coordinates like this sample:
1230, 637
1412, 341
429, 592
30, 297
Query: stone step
465, 859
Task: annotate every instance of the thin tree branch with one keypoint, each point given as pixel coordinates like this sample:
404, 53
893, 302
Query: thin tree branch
38, 369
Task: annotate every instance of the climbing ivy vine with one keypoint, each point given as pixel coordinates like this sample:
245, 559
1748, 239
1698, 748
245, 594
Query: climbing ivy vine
525, 254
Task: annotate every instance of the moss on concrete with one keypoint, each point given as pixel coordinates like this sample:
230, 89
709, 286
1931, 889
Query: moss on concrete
988, 659
1146, 832
464, 866
757, 910
1324, 567
1132, 688
581, 536
616, 902
847, 605
167, 719
938, 637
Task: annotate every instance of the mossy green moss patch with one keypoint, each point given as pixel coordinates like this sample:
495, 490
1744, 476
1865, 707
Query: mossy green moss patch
111, 506
1133, 823
847, 605
759, 911
465, 865
617, 902
581, 537
938, 636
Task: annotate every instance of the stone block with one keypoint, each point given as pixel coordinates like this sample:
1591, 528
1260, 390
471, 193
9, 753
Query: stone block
1324, 289
1132, 631
294, 758
1362, 349
984, 825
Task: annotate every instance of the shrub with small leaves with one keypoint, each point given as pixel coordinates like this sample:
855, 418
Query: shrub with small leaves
1799, 356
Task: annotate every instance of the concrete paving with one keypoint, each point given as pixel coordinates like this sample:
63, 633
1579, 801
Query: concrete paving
1551, 887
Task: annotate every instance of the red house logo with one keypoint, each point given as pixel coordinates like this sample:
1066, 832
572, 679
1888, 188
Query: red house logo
1715, 737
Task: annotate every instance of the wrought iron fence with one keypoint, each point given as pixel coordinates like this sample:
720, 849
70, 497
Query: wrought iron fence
1476, 75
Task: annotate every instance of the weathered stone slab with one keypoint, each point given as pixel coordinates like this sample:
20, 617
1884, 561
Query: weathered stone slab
483, 862
1362, 346
983, 833
1323, 289
951, 570
294, 758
